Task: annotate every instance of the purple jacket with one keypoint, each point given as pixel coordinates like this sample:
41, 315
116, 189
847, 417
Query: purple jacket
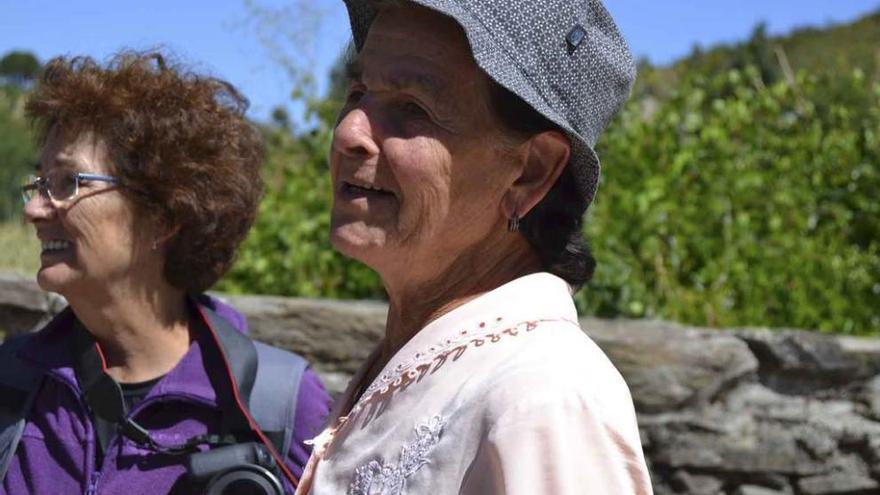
57, 455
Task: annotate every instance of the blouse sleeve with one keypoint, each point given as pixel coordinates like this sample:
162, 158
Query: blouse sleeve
560, 444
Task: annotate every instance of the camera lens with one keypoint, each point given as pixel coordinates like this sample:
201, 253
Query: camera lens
246, 487
245, 480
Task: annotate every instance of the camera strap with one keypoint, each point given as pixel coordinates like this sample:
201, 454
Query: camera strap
103, 395
105, 398
239, 357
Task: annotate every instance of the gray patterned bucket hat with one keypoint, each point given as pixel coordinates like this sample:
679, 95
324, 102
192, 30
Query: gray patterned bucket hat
565, 58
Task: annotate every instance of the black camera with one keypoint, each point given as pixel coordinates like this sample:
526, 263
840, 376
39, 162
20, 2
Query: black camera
240, 469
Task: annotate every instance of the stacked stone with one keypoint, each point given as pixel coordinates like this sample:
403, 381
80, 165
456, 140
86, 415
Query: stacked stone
751, 412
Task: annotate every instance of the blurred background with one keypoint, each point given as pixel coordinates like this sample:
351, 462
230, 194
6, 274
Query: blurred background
740, 184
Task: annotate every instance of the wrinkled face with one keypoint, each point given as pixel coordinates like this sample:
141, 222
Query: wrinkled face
88, 241
418, 162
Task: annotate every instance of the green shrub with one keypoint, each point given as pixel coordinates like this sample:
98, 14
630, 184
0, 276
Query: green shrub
288, 251
730, 204
727, 203
17, 151
736, 204
19, 248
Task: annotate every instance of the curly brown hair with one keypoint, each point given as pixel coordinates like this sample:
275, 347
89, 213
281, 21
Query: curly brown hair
182, 151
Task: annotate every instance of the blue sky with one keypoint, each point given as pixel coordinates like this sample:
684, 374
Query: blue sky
225, 37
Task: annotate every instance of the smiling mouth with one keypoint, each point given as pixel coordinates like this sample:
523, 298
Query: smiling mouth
360, 190
55, 246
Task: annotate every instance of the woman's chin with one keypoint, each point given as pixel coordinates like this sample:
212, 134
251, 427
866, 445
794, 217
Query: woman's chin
348, 248
357, 240
56, 278
374, 255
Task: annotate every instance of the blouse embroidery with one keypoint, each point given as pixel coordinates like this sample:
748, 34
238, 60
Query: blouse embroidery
454, 347
437, 354
374, 478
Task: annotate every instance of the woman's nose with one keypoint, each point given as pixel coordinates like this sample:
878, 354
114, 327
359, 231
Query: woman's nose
354, 135
38, 207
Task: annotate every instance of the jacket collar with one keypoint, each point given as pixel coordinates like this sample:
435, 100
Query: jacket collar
50, 350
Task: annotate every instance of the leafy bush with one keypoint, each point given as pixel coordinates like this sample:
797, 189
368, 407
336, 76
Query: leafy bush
288, 251
726, 202
17, 152
730, 203
739, 204
19, 248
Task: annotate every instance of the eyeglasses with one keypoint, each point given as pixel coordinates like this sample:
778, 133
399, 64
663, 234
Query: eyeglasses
60, 185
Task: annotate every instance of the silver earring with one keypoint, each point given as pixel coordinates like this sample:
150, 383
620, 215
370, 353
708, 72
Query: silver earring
155, 245
513, 223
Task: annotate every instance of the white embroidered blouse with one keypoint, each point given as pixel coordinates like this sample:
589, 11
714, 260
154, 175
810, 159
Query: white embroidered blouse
503, 395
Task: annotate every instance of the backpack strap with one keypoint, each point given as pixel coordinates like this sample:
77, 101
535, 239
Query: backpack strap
276, 390
268, 380
19, 383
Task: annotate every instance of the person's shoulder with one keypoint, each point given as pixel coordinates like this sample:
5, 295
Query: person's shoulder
558, 365
46, 347
561, 349
18, 372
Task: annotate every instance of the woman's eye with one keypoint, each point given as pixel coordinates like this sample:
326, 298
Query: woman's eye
414, 109
354, 95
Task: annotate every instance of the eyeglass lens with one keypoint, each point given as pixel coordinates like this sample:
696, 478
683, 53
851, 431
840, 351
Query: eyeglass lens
60, 184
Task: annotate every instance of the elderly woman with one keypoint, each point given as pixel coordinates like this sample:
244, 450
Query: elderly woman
462, 164
147, 183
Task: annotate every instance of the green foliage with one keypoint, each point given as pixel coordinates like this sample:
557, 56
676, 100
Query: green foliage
19, 67
838, 49
740, 194
739, 188
740, 204
19, 248
288, 251
731, 203
17, 151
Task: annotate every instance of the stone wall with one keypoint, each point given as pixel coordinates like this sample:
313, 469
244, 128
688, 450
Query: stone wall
740, 411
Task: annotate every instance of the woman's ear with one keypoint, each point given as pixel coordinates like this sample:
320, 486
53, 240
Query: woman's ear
546, 157
165, 235
159, 230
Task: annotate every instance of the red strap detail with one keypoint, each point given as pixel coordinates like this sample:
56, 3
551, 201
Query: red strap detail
279, 459
101, 355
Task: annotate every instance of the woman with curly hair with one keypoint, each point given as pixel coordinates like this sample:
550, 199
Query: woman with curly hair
147, 183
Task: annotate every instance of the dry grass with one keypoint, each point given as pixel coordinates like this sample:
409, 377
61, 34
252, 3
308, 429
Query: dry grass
19, 248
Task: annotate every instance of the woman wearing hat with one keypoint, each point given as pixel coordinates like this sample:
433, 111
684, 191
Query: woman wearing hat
462, 165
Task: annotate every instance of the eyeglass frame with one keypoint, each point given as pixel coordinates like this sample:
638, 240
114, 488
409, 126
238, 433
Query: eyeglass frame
41, 185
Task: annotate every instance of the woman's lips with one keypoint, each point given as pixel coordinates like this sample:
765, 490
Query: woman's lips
54, 248
354, 191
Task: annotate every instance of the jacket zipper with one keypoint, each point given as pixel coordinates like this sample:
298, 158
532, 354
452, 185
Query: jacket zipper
94, 475
93, 471
93, 483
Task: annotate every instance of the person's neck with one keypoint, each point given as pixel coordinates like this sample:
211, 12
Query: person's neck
143, 330
480, 269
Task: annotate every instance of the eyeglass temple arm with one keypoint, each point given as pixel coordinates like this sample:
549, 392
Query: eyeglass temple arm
104, 178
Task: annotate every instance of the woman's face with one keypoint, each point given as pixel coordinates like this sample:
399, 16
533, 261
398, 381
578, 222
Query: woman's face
417, 160
90, 241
